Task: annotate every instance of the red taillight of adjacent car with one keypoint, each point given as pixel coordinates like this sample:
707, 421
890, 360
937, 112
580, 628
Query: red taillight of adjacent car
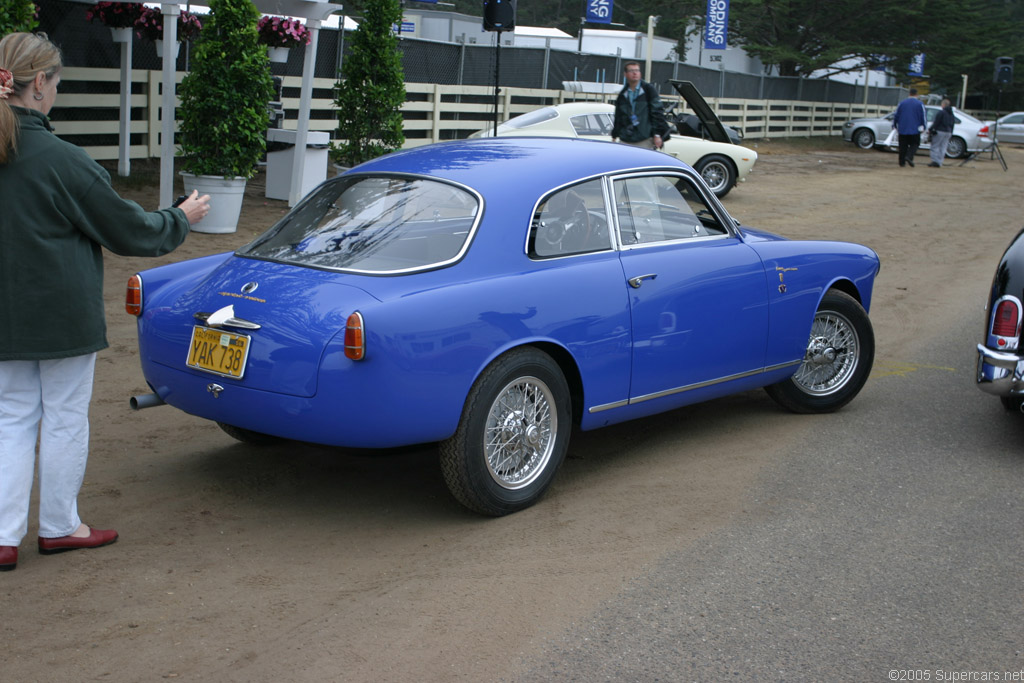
1006, 320
983, 133
355, 337
133, 297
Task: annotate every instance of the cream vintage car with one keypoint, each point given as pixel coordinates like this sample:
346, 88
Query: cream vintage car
720, 164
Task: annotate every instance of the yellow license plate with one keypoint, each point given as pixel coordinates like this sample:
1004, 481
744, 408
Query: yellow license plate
217, 351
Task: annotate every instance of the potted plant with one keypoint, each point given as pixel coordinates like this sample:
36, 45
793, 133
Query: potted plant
150, 25
119, 17
223, 110
18, 16
370, 96
280, 34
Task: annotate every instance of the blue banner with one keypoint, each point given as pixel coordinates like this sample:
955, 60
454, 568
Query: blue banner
916, 67
716, 28
599, 11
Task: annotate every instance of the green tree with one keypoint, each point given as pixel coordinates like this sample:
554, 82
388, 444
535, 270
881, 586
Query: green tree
18, 16
224, 97
371, 93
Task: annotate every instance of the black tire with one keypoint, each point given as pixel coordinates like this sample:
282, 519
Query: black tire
864, 138
840, 352
249, 436
957, 148
497, 479
1012, 403
718, 172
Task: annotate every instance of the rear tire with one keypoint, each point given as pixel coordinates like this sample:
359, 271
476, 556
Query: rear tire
837, 362
957, 148
513, 434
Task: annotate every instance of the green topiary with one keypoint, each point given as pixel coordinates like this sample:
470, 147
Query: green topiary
371, 93
18, 16
224, 97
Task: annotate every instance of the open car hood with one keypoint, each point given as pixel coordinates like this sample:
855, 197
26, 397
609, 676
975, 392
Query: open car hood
712, 124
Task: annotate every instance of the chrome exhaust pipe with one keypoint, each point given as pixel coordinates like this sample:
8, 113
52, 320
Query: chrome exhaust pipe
145, 401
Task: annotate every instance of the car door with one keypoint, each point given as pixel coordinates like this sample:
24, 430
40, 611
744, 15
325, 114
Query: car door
698, 293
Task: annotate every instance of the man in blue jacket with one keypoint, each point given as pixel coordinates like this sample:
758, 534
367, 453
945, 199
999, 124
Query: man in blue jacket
909, 123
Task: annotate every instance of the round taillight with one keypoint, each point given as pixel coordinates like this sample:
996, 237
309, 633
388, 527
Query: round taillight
133, 296
355, 337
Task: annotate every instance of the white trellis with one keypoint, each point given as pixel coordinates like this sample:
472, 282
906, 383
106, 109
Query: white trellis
314, 12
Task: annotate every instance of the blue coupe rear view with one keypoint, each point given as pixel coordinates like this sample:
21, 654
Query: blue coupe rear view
491, 295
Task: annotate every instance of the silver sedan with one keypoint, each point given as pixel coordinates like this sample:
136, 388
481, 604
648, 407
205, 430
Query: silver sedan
878, 132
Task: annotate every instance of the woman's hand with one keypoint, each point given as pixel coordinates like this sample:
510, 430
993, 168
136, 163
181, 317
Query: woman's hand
195, 207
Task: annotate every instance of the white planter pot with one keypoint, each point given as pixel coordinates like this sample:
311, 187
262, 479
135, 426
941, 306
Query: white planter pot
160, 49
121, 35
278, 54
226, 196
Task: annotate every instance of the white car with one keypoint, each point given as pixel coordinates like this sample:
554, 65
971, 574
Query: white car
720, 164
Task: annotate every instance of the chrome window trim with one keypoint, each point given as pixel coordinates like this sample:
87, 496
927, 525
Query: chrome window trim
690, 387
551, 193
471, 233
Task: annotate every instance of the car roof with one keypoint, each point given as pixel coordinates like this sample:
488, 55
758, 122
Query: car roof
523, 166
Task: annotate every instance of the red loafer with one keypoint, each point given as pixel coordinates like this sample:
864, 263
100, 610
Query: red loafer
8, 558
95, 539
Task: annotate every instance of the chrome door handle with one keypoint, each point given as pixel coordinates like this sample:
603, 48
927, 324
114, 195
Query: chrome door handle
635, 282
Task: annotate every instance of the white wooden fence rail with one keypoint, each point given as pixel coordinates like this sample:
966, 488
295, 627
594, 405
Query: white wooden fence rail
431, 112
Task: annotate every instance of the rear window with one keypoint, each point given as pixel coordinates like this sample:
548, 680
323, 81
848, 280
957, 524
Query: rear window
532, 118
374, 224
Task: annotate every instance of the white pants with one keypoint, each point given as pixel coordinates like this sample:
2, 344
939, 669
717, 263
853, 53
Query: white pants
46, 400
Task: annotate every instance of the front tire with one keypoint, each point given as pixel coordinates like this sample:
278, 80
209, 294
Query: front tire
837, 362
718, 172
864, 138
512, 437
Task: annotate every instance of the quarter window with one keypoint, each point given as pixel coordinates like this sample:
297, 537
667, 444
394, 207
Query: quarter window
570, 221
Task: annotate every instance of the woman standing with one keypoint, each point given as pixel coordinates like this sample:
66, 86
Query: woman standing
57, 212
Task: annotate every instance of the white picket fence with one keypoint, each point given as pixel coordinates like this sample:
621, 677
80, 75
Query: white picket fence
431, 112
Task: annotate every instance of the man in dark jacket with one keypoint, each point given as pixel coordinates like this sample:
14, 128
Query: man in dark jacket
639, 114
941, 132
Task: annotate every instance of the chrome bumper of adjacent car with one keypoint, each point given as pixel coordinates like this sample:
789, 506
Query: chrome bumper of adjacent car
999, 372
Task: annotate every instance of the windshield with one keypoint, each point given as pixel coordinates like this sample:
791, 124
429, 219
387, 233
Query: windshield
374, 224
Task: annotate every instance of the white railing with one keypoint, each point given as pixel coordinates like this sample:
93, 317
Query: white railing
431, 112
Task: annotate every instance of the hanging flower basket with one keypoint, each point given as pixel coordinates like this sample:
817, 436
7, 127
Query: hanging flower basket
282, 32
150, 25
115, 14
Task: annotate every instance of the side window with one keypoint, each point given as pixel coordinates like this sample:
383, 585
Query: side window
662, 209
570, 221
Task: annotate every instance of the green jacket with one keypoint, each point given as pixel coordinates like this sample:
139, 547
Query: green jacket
650, 114
57, 209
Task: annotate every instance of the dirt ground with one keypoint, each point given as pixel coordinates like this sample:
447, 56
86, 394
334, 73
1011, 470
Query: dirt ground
312, 564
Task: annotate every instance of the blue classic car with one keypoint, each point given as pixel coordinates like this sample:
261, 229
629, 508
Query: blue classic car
490, 295
1000, 363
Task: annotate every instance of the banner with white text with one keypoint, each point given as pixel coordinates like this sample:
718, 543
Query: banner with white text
600, 11
716, 29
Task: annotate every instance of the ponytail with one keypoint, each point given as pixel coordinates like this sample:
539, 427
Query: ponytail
22, 56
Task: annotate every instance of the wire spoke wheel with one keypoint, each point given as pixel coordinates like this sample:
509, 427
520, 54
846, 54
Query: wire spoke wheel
831, 357
837, 360
520, 432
